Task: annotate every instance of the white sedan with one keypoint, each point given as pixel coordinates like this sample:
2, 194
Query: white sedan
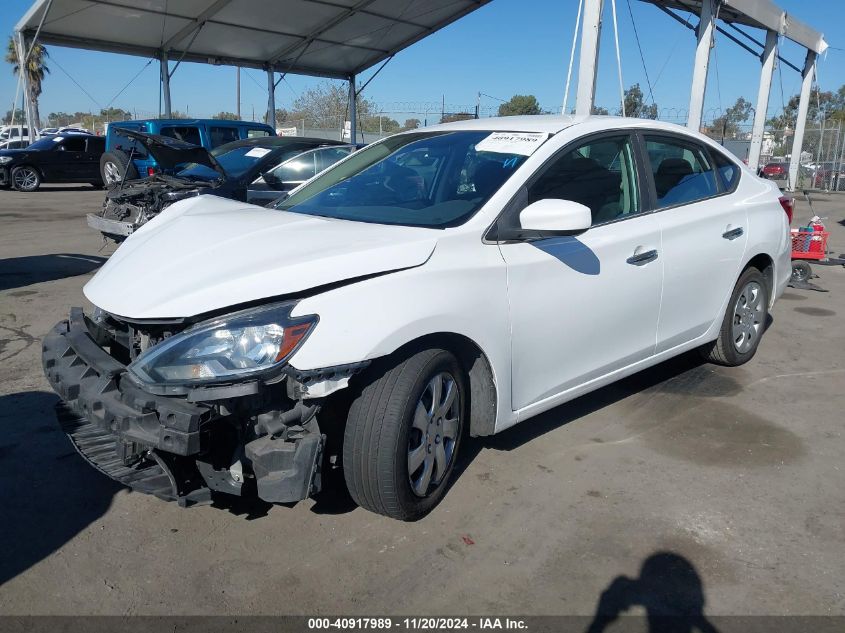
449, 281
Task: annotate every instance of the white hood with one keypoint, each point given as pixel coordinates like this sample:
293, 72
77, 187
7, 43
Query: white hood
207, 253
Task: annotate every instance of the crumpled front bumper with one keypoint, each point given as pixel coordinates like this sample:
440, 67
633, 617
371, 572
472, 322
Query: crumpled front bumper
165, 445
89, 381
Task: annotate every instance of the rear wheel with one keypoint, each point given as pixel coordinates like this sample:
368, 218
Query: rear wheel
744, 322
26, 178
114, 165
403, 433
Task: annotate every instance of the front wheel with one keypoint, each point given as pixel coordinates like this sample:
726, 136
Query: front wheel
744, 322
403, 433
26, 178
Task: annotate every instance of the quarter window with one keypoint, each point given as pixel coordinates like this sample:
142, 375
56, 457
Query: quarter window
186, 133
682, 172
728, 170
600, 174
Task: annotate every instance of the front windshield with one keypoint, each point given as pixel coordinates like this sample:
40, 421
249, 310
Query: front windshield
431, 179
235, 161
45, 143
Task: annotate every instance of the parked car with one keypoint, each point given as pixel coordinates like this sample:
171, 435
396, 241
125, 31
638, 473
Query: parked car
775, 171
830, 176
14, 133
256, 170
59, 158
49, 131
440, 283
207, 133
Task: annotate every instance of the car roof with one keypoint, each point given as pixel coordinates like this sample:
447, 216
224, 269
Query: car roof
195, 122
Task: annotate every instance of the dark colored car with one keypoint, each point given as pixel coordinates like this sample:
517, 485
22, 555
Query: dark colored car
59, 158
256, 170
830, 176
775, 171
208, 133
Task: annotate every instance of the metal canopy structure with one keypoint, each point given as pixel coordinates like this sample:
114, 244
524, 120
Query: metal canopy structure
326, 38
758, 14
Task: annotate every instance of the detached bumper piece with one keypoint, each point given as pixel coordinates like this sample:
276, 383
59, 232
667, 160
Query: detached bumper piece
179, 448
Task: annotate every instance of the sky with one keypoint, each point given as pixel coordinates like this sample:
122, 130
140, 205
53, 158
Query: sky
506, 47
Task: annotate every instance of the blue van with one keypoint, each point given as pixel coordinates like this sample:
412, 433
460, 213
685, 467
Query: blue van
208, 133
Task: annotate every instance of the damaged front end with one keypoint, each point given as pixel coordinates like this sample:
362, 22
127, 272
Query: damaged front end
130, 205
185, 438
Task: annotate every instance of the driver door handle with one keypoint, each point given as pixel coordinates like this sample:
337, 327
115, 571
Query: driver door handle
639, 259
732, 234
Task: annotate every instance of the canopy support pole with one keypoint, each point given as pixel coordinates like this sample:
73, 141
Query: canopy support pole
353, 115
768, 59
271, 98
588, 57
801, 119
706, 26
165, 84
20, 47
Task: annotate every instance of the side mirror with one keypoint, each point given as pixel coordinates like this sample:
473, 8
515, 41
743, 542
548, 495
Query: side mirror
270, 179
558, 217
549, 218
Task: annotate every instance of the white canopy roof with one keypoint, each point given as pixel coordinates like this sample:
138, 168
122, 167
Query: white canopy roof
330, 38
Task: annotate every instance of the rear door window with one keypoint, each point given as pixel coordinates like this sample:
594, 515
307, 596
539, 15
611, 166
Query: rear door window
126, 144
222, 135
297, 169
186, 133
682, 171
96, 145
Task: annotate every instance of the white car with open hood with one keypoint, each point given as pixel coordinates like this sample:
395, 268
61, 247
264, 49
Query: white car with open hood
442, 283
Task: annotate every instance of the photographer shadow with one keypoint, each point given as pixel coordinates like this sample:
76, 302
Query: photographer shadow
670, 590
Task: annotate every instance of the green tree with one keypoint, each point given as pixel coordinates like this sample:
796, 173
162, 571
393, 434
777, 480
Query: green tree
635, 105
19, 116
597, 110
326, 106
520, 104
226, 116
35, 70
411, 124
729, 123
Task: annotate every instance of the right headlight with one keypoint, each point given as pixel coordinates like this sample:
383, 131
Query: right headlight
5, 160
235, 346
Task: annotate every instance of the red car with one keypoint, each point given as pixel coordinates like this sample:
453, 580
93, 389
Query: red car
774, 171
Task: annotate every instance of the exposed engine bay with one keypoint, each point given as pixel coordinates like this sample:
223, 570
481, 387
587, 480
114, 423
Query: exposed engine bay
130, 205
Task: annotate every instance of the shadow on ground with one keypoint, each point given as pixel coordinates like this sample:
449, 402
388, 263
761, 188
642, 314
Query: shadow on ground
17, 272
670, 590
48, 493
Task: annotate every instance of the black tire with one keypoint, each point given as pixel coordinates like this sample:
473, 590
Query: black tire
801, 271
26, 178
380, 432
115, 166
724, 350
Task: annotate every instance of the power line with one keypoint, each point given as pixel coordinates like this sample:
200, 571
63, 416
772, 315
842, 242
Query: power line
78, 85
642, 57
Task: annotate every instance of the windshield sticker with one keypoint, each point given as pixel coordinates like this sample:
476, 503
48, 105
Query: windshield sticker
524, 143
257, 152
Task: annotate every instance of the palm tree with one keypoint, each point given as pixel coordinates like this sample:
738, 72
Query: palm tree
35, 70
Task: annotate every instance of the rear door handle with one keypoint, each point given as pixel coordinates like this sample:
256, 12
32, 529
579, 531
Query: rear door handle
732, 234
638, 259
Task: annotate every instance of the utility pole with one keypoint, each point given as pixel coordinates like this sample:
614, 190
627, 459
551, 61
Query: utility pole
238, 91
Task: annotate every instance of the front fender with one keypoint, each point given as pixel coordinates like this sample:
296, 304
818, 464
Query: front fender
460, 290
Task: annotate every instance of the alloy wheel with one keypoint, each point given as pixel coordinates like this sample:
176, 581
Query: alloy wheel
25, 178
434, 434
749, 313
